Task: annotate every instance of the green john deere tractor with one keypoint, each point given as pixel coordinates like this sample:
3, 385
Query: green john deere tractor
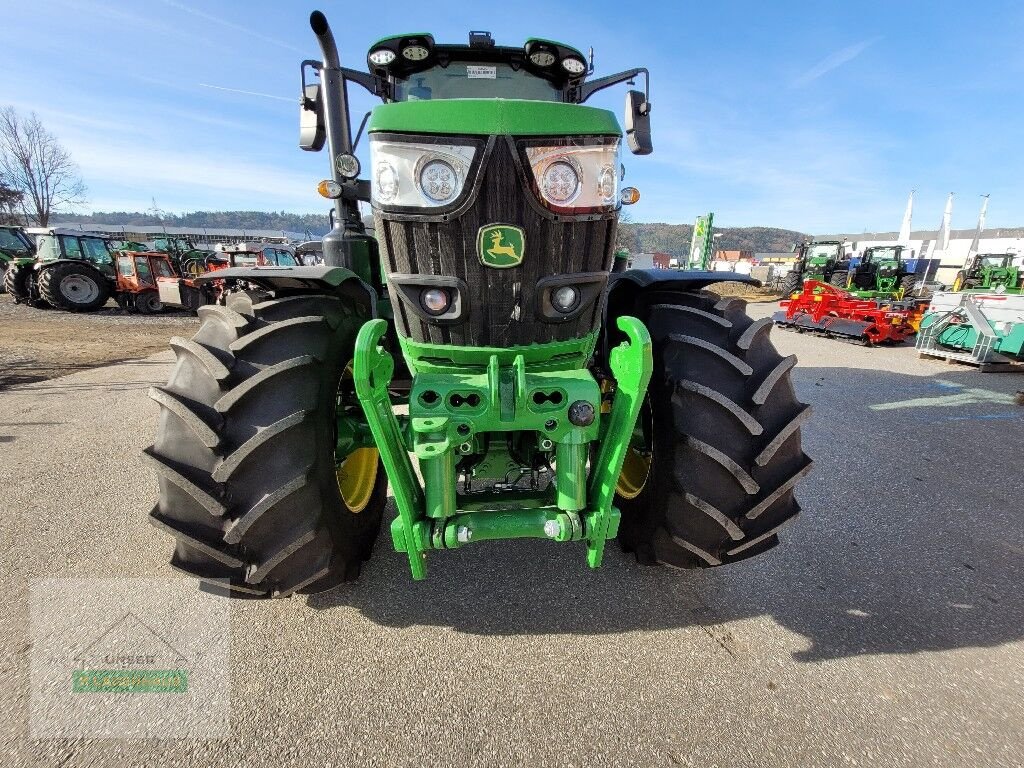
822, 260
15, 248
988, 272
882, 274
481, 332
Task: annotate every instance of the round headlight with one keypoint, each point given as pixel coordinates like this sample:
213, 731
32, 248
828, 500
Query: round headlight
347, 165
542, 58
387, 181
438, 181
435, 300
560, 183
415, 52
573, 66
606, 184
565, 299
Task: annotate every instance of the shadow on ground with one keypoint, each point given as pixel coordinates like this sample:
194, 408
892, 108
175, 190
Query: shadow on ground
911, 540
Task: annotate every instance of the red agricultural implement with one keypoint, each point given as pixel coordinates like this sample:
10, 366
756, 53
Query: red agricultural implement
831, 311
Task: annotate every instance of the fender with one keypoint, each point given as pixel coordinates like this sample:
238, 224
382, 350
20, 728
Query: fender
324, 278
39, 266
624, 289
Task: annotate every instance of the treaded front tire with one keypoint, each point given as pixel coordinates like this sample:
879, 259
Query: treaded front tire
16, 283
96, 288
839, 279
245, 450
791, 283
724, 426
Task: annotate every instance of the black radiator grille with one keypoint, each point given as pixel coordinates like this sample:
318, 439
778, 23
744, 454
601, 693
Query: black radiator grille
502, 301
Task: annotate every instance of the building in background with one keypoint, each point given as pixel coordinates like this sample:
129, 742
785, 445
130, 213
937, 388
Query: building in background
201, 237
657, 260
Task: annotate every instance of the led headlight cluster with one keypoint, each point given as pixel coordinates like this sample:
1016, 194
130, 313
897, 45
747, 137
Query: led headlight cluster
418, 175
577, 177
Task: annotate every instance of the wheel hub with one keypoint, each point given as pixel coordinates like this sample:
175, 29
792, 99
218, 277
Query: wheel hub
79, 289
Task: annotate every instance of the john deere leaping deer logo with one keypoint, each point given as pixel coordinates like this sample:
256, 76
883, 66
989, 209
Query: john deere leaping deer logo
500, 246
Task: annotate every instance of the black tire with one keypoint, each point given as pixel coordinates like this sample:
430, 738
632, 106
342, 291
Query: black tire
839, 279
148, 303
73, 287
192, 299
907, 284
16, 283
792, 283
244, 453
725, 437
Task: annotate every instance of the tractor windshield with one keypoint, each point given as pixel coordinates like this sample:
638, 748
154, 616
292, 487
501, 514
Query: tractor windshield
995, 261
884, 254
823, 251
9, 241
466, 80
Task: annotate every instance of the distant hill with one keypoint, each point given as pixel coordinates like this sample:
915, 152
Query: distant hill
639, 237
674, 239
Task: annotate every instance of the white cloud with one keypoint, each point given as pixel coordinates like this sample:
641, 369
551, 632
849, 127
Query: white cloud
833, 61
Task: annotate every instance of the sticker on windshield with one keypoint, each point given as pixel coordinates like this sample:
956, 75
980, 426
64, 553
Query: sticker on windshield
481, 72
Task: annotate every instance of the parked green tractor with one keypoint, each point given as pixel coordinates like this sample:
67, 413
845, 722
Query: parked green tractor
882, 274
989, 272
15, 247
71, 270
481, 332
823, 260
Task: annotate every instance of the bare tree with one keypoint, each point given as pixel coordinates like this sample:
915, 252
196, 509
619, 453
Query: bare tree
33, 163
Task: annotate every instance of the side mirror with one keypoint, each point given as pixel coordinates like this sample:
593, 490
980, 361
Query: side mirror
638, 123
312, 131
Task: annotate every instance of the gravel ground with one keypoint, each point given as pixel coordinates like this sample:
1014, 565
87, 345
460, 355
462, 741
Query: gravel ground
886, 630
40, 344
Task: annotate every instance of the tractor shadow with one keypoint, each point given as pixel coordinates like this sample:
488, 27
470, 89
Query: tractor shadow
911, 540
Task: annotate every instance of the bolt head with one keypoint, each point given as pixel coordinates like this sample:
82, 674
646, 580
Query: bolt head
463, 534
581, 413
552, 528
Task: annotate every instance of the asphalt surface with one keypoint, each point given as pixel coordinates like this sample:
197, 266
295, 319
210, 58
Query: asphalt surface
886, 630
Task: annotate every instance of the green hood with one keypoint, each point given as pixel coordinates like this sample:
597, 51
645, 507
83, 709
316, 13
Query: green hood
488, 117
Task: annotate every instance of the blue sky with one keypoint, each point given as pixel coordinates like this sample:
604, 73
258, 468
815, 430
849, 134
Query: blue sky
813, 116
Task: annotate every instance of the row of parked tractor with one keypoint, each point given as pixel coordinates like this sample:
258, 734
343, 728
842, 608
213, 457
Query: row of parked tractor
886, 296
79, 271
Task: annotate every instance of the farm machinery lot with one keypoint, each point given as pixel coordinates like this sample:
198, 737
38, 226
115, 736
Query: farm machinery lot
887, 630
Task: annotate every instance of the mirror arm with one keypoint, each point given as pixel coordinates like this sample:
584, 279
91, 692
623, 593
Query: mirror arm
587, 90
377, 86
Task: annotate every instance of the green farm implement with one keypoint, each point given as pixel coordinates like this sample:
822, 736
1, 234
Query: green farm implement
478, 352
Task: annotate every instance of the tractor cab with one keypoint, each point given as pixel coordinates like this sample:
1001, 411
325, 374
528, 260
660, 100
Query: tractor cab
137, 271
14, 244
822, 259
259, 255
880, 268
73, 245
